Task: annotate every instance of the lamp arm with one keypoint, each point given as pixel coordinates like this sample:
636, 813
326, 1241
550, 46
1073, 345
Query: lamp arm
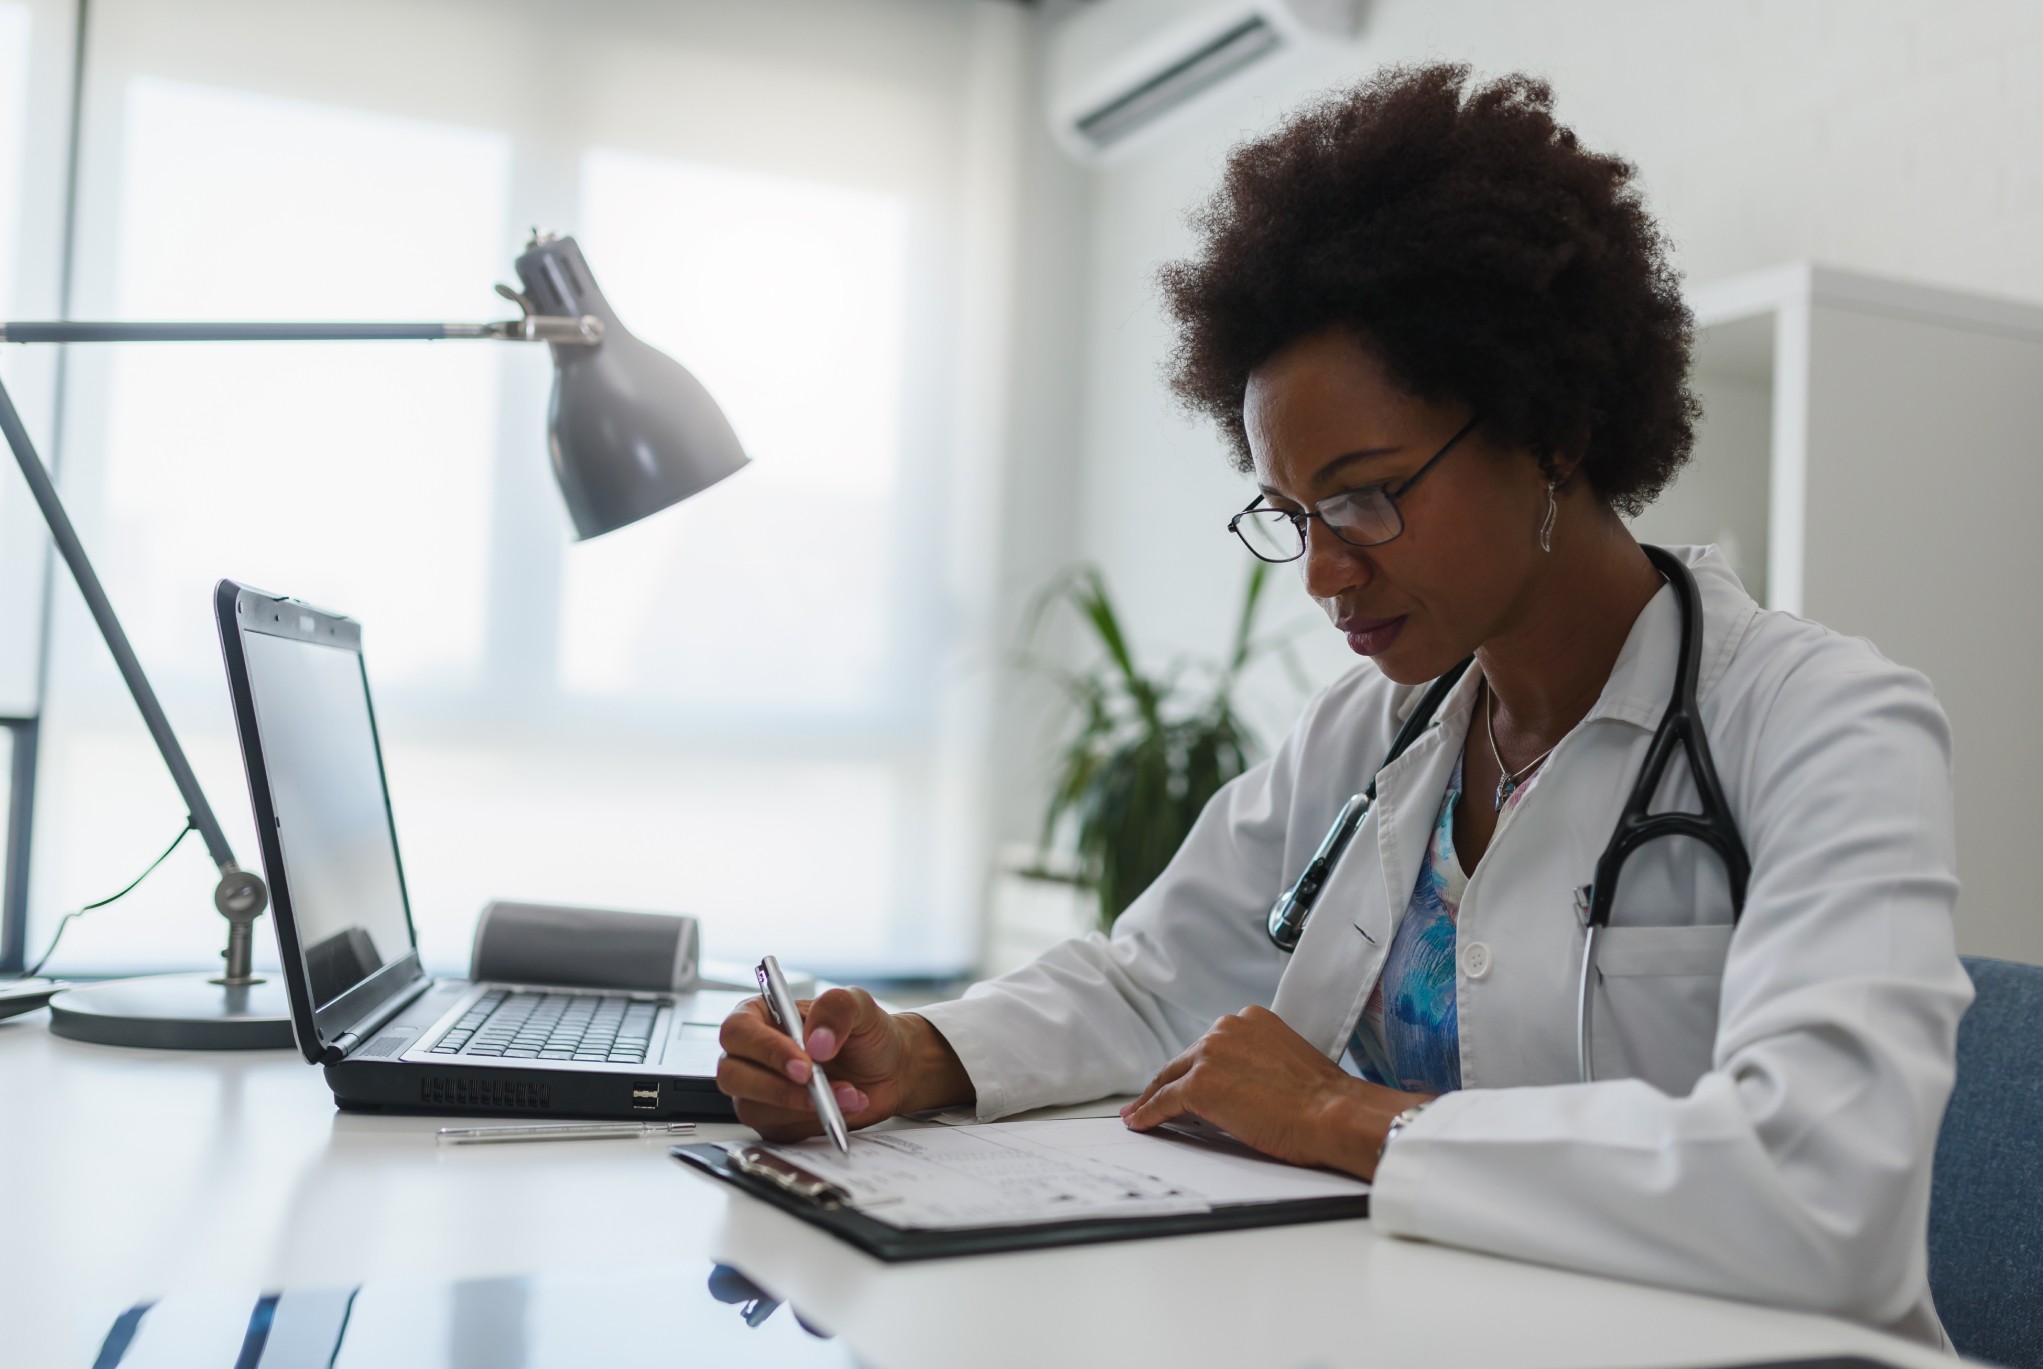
240, 895
587, 331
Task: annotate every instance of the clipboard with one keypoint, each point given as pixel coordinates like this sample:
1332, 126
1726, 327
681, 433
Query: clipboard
813, 1202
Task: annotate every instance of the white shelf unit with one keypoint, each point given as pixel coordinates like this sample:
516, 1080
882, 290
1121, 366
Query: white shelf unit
1871, 456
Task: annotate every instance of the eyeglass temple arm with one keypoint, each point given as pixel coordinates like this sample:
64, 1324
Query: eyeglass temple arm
1434, 459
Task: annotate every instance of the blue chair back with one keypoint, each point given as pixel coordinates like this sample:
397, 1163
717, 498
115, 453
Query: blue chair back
1986, 1196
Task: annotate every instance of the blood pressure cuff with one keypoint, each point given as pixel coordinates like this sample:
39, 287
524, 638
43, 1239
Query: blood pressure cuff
590, 948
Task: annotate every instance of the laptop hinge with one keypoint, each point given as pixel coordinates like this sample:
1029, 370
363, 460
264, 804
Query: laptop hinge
341, 1046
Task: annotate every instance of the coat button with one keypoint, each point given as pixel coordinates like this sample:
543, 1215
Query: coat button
1475, 960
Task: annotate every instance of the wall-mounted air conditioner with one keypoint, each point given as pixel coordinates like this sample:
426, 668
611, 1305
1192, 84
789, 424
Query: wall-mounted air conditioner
1120, 69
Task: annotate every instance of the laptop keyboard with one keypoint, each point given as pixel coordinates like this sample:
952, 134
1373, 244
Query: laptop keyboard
532, 1025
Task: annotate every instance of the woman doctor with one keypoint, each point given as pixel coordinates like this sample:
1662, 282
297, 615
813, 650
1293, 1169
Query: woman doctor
1445, 341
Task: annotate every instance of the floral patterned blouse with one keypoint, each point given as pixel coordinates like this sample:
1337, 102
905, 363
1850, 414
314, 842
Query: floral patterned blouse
1409, 1036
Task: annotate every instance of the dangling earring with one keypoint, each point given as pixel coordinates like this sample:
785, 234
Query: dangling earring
1553, 509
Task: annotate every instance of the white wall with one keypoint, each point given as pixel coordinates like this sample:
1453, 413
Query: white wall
1941, 572
1894, 137
1041, 474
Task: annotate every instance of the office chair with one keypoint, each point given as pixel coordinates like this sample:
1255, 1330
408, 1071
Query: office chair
1986, 1193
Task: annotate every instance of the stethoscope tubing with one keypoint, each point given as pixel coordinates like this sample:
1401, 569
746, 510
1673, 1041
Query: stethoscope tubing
1289, 913
1585, 1007
1680, 728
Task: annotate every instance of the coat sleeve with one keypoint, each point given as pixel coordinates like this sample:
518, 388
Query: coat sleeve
1797, 1171
1100, 1015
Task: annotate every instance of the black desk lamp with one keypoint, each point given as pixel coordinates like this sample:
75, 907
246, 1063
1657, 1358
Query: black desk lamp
630, 432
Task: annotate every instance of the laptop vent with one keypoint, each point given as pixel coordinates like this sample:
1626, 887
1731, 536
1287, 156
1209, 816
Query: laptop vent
440, 1090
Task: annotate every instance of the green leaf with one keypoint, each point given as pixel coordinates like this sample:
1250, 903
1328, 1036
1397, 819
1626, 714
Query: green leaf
1146, 753
1238, 654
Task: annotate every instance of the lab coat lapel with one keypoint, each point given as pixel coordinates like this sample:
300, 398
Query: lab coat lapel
1342, 950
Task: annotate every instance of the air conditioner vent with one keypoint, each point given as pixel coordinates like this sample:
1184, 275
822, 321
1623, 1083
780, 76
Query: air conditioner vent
1118, 71
1195, 73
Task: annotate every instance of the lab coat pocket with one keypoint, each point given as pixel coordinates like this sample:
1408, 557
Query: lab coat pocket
1658, 1017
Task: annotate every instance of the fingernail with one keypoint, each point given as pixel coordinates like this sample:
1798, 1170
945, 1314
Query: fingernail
849, 1097
1127, 1108
798, 1070
822, 1043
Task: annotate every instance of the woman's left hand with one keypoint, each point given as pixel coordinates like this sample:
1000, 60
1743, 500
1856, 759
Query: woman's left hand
1266, 1086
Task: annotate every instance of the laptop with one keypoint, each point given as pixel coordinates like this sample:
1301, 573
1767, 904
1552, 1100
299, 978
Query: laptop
390, 1036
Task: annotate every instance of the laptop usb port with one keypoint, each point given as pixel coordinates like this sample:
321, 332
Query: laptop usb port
645, 1097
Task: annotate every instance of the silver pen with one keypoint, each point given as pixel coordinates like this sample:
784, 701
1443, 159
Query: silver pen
560, 1131
773, 985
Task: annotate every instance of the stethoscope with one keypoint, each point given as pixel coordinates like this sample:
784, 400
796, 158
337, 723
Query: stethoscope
1680, 729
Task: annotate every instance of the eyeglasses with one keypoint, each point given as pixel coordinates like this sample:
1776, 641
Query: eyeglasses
1367, 517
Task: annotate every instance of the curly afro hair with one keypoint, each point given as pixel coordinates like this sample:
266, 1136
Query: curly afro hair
1489, 258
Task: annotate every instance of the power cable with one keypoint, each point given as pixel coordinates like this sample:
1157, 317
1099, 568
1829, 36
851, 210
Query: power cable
65, 921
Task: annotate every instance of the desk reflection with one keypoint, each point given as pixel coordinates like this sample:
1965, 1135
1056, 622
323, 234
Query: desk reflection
652, 1317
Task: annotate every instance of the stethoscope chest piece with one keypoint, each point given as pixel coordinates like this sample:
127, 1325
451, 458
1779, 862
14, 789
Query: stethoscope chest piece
1289, 913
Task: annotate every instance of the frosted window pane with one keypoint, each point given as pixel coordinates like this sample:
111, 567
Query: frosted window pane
595, 723
21, 527
787, 299
749, 848
14, 33
784, 856
105, 808
353, 474
6, 798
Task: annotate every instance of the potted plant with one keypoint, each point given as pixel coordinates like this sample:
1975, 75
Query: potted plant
1148, 750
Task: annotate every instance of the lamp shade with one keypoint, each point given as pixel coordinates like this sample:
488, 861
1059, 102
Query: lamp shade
629, 429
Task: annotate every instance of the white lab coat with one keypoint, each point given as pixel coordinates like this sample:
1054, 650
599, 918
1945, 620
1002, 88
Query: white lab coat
1767, 1100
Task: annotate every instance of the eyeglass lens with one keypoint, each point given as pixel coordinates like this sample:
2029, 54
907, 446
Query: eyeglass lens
1362, 518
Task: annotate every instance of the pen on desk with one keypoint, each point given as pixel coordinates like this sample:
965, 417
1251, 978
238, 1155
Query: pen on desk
779, 1002
560, 1131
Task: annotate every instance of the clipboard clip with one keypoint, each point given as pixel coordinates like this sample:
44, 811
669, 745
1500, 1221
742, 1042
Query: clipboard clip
761, 1163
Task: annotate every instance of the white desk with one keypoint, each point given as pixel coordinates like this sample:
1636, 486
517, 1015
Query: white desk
131, 1174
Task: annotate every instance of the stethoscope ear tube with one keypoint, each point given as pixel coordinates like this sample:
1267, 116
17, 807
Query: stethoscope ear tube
1289, 913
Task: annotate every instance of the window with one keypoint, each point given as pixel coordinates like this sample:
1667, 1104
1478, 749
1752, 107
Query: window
21, 545
358, 472
34, 91
788, 301
8, 730
739, 708
14, 36
355, 475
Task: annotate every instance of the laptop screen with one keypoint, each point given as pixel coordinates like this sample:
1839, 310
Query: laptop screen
333, 818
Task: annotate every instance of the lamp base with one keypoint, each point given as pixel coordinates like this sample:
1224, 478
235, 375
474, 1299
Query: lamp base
176, 1012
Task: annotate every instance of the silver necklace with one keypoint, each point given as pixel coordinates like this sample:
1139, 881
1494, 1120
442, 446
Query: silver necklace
1507, 779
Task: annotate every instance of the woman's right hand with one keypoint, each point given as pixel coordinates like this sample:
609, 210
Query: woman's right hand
879, 1064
